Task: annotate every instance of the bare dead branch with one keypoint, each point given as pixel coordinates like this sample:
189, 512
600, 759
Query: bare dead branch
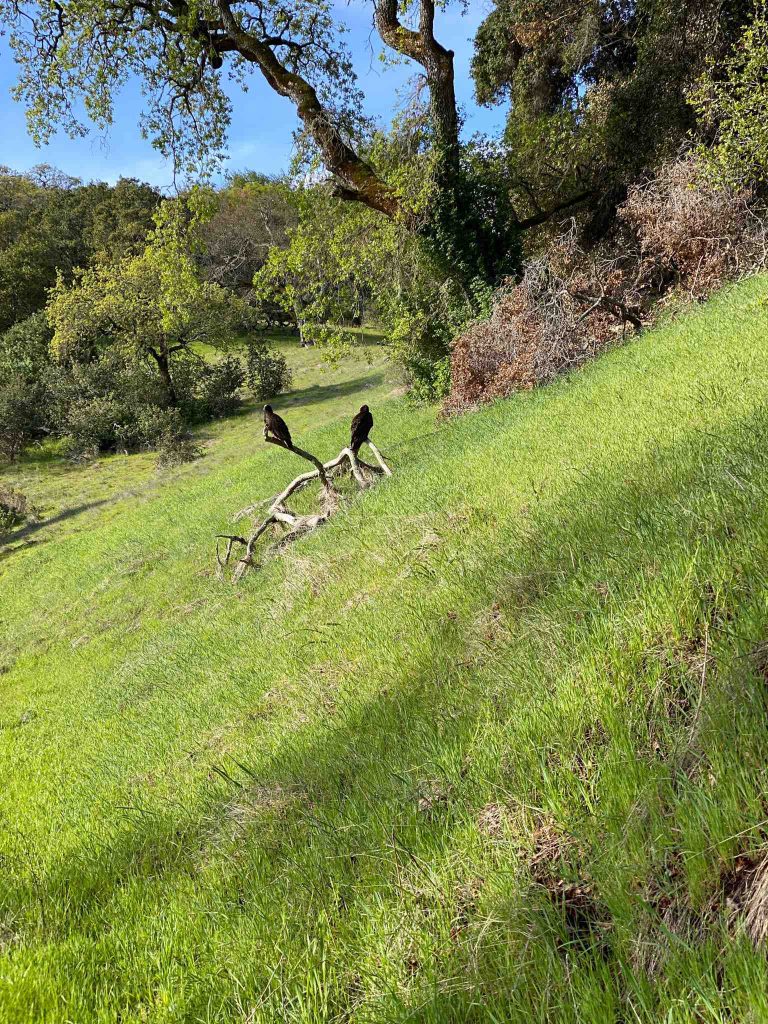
378, 456
610, 303
354, 465
279, 514
303, 455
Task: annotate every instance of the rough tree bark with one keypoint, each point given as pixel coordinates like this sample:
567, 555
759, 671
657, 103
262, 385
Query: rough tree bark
437, 62
357, 176
164, 369
357, 179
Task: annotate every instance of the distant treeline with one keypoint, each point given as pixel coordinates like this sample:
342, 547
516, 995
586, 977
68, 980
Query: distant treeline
50, 222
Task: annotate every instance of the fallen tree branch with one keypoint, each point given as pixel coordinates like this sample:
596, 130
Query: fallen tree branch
302, 454
279, 514
294, 485
613, 305
377, 455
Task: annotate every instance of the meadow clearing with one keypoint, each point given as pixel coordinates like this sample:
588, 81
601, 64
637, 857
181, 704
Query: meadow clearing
491, 746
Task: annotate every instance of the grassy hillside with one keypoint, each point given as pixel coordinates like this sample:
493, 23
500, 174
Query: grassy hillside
492, 746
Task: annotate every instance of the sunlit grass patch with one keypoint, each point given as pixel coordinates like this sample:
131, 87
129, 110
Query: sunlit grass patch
489, 746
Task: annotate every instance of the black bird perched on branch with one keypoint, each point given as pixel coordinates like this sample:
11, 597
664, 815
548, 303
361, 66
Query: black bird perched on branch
276, 426
362, 425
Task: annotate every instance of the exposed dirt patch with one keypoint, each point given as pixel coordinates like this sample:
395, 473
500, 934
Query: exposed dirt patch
433, 795
585, 920
742, 892
759, 659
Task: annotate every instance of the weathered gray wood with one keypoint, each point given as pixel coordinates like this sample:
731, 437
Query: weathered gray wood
303, 455
378, 456
277, 513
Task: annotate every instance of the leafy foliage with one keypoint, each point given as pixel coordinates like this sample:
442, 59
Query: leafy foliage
731, 100
109, 402
88, 51
219, 386
25, 396
118, 352
598, 90
51, 224
251, 215
85, 51
151, 306
19, 415
268, 373
345, 264
172, 441
117, 402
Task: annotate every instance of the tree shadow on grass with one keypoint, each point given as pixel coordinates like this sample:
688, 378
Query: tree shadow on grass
362, 770
12, 542
318, 393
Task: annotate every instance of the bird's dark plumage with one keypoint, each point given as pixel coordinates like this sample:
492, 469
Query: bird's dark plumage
362, 425
276, 425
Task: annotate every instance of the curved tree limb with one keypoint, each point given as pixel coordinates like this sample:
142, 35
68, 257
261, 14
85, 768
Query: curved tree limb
437, 61
359, 179
320, 468
383, 467
278, 513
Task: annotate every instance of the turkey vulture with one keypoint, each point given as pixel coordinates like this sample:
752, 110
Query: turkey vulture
276, 425
362, 425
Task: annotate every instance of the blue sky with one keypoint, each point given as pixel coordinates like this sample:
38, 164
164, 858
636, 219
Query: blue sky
260, 137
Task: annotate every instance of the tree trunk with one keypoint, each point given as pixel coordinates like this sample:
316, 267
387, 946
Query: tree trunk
358, 179
300, 326
164, 368
422, 47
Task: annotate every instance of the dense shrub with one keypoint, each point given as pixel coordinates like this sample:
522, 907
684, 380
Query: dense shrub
103, 405
692, 232
25, 347
171, 440
219, 386
21, 414
15, 509
93, 425
679, 233
24, 397
117, 402
267, 371
114, 402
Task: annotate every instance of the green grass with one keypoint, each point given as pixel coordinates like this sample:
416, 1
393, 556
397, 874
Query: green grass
72, 498
491, 746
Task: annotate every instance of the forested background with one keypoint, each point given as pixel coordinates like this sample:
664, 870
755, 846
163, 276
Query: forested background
630, 173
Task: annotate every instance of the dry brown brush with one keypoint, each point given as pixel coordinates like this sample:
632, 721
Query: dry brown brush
678, 233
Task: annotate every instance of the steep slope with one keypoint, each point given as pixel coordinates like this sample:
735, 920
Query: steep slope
491, 746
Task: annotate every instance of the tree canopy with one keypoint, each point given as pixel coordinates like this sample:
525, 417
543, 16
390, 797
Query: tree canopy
185, 54
597, 90
152, 305
51, 223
